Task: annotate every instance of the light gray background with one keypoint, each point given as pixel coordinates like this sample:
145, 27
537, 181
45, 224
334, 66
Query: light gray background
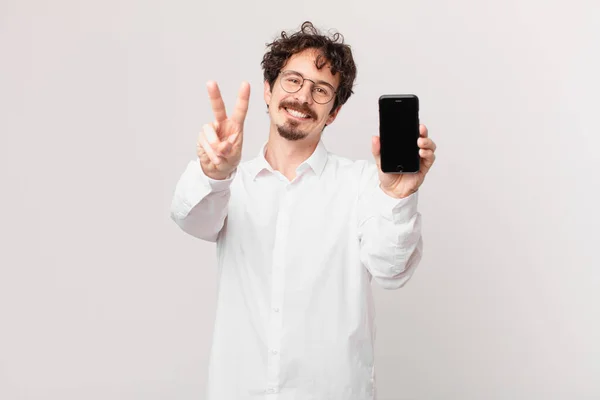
103, 297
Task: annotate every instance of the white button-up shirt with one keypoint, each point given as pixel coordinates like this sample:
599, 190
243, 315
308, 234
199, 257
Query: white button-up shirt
295, 317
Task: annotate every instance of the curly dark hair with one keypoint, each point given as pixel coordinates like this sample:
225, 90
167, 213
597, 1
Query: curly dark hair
331, 50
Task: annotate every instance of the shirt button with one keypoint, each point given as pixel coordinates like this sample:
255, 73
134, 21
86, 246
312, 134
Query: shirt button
271, 390
274, 351
276, 309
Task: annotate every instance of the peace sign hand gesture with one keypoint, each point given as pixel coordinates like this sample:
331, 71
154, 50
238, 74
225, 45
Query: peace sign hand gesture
219, 144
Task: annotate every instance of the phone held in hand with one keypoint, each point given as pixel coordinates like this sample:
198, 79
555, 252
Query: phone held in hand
398, 133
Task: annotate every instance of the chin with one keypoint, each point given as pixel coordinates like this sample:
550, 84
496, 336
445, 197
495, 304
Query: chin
291, 133
293, 130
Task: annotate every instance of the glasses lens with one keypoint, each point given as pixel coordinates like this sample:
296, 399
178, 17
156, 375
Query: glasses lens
291, 82
322, 94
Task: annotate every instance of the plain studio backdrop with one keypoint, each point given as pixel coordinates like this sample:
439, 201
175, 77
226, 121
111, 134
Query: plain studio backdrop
103, 297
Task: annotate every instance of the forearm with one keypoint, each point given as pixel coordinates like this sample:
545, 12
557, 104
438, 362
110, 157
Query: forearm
390, 238
199, 204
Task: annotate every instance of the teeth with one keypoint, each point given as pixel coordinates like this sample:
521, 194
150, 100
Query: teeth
297, 114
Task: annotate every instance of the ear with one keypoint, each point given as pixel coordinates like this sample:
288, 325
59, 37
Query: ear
267, 93
332, 116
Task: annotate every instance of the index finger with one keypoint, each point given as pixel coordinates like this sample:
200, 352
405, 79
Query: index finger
216, 101
241, 107
423, 131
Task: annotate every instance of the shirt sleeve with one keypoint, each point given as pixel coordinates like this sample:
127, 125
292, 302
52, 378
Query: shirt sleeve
389, 230
199, 203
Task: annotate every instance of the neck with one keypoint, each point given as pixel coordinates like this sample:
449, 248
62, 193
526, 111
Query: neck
285, 156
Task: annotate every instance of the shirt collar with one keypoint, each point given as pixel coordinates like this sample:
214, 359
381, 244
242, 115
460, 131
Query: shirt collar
316, 161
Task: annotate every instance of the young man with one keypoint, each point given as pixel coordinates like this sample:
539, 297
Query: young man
300, 233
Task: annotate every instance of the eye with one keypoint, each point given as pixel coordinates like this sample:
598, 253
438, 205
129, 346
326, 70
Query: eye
293, 79
322, 90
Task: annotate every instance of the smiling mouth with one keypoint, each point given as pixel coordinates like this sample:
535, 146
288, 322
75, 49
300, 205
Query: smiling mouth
297, 114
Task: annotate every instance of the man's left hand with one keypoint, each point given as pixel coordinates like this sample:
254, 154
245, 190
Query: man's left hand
403, 185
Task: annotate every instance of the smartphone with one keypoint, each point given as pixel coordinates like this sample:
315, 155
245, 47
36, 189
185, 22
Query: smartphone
398, 133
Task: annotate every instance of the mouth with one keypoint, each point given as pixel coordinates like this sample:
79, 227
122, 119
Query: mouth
296, 114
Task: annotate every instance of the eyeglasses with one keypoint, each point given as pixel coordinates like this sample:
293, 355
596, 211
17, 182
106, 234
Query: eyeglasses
292, 81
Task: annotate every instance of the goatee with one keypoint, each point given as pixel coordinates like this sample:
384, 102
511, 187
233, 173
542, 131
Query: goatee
290, 131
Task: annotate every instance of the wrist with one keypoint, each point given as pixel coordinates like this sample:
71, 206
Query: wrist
215, 174
219, 177
397, 195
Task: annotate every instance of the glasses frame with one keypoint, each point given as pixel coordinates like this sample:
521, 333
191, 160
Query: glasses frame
303, 79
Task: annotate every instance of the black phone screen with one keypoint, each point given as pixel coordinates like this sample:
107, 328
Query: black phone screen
398, 133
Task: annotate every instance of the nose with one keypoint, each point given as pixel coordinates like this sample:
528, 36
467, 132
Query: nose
304, 95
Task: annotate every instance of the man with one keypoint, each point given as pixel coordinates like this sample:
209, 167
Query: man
300, 233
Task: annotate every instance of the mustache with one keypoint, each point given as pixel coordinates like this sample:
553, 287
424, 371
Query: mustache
303, 108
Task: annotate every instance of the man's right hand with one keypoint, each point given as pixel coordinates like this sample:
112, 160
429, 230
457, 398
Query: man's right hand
219, 144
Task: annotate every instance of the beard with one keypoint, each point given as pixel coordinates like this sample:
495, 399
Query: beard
289, 130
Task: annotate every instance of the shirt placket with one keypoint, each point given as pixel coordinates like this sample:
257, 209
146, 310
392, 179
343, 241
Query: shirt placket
277, 290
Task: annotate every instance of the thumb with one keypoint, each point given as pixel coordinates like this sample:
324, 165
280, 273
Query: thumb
233, 137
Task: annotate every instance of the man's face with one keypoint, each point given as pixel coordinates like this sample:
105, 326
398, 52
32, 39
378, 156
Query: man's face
297, 115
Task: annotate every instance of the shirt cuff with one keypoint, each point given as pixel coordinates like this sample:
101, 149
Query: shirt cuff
215, 185
394, 209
